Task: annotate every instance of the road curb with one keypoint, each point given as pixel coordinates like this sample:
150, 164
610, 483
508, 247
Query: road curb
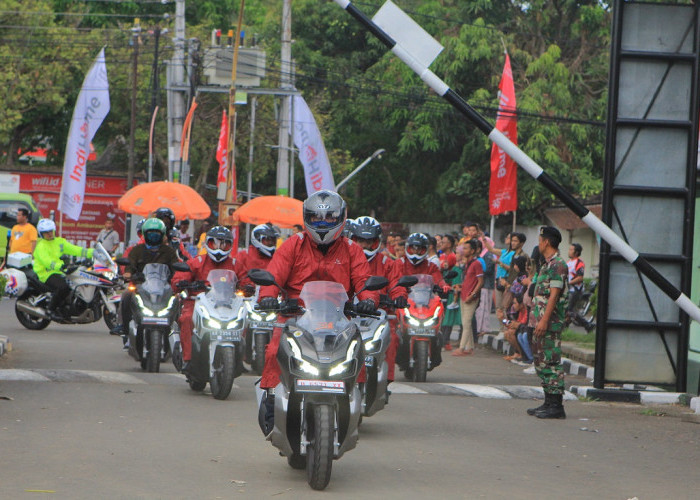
569, 366
641, 395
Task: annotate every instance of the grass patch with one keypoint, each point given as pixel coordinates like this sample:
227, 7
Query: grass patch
650, 412
584, 339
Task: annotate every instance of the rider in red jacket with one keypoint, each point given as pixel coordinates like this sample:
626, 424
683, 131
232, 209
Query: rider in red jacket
416, 262
316, 254
263, 240
219, 243
367, 232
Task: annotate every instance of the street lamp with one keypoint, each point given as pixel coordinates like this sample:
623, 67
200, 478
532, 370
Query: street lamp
377, 154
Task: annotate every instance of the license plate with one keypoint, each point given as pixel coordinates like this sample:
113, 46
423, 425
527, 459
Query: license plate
155, 321
263, 324
226, 335
326, 386
423, 332
369, 360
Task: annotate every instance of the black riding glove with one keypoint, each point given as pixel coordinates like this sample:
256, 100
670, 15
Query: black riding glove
182, 284
267, 303
366, 307
401, 302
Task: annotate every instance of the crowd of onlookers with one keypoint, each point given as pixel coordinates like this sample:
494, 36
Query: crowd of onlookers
505, 289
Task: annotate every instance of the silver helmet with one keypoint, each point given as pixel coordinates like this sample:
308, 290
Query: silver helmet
324, 216
219, 243
416, 248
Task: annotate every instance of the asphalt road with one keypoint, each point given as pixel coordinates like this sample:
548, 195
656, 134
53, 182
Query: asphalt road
91, 425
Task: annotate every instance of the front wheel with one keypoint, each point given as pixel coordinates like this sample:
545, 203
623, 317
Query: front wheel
421, 364
155, 343
319, 453
259, 359
222, 380
110, 318
30, 322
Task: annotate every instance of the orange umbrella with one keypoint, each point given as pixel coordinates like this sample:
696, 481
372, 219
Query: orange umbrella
280, 210
146, 198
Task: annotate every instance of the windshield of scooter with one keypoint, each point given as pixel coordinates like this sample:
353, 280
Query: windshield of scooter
422, 292
324, 304
223, 287
103, 262
156, 281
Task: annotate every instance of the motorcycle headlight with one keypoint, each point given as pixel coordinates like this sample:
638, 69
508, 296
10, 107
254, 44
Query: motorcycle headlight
271, 316
166, 310
347, 363
432, 320
371, 344
233, 325
145, 310
212, 323
302, 364
255, 316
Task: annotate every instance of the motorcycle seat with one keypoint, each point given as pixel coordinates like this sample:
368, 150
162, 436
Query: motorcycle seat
33, 280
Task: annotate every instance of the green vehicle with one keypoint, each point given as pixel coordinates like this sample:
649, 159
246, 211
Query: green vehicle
9, 203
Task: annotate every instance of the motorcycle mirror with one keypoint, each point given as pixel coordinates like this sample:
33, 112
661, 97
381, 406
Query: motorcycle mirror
407, 281
261, 277
180, 266
450, 275
375, 283
122, 261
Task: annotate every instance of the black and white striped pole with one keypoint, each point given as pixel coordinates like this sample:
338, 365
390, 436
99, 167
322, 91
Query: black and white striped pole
417, 49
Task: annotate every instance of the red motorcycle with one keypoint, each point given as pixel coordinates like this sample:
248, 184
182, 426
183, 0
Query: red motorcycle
419, 328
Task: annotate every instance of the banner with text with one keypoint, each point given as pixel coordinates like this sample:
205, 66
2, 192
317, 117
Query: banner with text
90, 110
312, 152
503, 188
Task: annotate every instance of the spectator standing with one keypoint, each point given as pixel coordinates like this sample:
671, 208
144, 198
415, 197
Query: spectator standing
452, 318
483, 312
400, 249
505, 255
550, 312
447, 247
201, 247
184, 234
432, 250
576, 268
108, 236
297, 228
469, 296
24, 235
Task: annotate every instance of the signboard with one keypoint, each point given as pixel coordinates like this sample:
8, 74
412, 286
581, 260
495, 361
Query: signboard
101, 196
9, 183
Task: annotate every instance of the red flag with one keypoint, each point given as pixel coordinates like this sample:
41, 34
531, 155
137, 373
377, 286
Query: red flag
503, 189
222, 150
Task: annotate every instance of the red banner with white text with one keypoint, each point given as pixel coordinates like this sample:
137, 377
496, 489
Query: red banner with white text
503, 188
101, 196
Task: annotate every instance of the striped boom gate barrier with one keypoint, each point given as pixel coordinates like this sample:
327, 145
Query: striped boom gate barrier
384, 26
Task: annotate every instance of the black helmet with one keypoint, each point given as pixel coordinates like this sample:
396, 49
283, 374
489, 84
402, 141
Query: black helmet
219, 243
264, 238
416, 248
139, 225
367, 228
324, 216
167, 216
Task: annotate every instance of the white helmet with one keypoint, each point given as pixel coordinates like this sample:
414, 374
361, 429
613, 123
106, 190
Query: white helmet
45, 226
219, 243
265, 232
324, 216
416, 248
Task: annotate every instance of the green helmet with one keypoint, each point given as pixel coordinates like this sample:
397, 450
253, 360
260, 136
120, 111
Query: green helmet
153, 231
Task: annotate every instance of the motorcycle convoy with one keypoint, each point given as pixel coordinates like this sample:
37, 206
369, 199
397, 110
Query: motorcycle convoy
325, 344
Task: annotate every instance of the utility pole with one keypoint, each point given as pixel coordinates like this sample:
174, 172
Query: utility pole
135, 40
154, 102
251, 151
176, 98
285, 83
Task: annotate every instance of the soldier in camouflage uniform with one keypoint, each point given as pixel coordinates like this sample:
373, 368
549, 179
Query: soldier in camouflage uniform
550, 312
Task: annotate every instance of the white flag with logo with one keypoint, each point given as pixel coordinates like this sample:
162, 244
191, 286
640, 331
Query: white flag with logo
312, 152
90, 109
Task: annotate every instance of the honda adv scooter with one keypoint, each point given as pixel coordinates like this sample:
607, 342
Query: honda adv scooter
318, 401
217, 336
